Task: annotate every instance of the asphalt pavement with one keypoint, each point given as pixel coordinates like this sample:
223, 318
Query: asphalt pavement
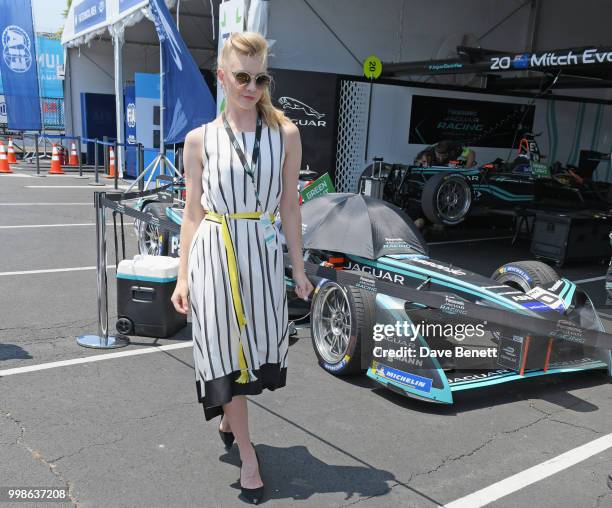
122, 428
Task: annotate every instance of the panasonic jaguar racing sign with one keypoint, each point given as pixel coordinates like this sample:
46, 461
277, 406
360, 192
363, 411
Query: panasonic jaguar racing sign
590, 56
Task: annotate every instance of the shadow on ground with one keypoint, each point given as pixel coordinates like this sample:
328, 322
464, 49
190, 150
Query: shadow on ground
294, 473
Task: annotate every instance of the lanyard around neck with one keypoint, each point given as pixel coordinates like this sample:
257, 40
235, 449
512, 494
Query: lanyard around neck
255, 156
241, 156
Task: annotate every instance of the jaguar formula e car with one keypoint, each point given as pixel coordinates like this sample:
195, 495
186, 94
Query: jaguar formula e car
418, 344
448, 194
521, 322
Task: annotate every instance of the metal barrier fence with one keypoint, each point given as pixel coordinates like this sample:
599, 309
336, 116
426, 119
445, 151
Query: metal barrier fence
102, 201
36, 147
52, 112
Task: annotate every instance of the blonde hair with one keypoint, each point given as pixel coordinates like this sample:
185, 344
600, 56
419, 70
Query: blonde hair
254, 45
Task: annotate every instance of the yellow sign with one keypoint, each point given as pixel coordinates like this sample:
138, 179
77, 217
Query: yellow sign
372, 67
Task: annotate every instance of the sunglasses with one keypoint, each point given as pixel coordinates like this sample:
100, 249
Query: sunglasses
243, 78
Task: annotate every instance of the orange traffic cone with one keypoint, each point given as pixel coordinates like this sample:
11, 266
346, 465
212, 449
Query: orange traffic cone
56, 164
74, 158
12, 158
111, 164
4, 165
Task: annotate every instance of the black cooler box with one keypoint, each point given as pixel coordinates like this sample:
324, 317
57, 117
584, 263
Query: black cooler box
144, 287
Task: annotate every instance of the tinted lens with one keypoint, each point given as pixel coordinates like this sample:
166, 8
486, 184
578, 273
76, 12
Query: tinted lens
242, 78
262, 80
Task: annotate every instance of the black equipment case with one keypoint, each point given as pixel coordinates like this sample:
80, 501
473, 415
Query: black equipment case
569, 236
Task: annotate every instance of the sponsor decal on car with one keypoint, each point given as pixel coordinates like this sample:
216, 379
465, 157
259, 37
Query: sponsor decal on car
404, 378
334, 367
479, 376
376, 272
569, 331
515, 269
437, 266
570, 363
366, 284
453, 306
547, 297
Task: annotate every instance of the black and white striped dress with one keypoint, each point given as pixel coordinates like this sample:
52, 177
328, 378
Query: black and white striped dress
228, 189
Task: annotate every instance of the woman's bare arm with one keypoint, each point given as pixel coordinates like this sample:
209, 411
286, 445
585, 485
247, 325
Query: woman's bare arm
192, 215
290, 209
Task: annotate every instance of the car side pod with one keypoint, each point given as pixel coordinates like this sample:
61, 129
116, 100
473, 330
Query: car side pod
418, 378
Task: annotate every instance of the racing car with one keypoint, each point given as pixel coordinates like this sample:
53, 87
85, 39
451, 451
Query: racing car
346, 316
448, 194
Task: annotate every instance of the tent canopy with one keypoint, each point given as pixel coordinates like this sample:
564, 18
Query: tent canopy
84, 24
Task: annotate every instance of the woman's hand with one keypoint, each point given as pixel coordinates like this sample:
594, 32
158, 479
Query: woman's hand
180, 297
303, 286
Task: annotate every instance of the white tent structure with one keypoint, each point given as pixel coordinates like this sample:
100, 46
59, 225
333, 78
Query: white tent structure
106, 40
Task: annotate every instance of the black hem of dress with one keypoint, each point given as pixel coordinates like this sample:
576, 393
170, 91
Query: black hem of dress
220, 391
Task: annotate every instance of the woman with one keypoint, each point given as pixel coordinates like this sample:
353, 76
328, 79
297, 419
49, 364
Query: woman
239, 169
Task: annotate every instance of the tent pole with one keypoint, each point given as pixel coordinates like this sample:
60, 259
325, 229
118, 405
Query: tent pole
118, 48
162, 148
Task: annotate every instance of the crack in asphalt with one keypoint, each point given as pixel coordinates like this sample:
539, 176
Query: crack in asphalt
36, 455
92, 445
449, 458
391, 487
576, 426
169, 408
14, 420
600, 499
547, 416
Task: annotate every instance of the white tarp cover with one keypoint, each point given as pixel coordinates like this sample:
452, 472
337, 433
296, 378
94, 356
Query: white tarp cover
90, 18
257, 19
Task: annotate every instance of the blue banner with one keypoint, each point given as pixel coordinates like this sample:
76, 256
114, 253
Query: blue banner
50, 56
187, 100
89, 13
129, 103
124, 5
18, 65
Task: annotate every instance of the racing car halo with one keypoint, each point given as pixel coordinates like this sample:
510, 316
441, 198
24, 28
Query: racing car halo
347, 315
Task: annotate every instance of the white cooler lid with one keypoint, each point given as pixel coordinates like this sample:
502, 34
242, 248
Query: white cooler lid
152, 268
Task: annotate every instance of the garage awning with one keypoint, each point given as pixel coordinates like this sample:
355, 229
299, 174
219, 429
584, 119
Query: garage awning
90, 18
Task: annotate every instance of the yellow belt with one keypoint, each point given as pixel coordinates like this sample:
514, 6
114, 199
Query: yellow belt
245, 374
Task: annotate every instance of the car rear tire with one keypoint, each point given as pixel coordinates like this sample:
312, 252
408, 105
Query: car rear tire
525, 275
153, 240
341, 323
446, 199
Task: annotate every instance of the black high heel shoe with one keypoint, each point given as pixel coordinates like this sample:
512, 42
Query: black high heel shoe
251, 496
227, 438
